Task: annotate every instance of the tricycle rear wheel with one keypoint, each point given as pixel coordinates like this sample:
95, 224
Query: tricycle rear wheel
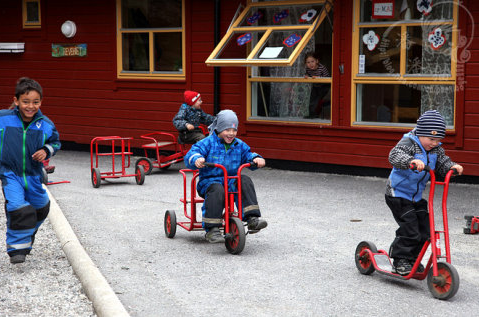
170, 223
446, 284
96, 177
364, 263
140, 174
146, 163
236, 239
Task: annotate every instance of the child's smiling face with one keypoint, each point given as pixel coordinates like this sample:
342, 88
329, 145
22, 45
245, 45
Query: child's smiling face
228, 135
28, 104
312, 63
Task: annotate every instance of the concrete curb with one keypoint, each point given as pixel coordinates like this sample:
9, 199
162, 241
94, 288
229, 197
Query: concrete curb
105, 302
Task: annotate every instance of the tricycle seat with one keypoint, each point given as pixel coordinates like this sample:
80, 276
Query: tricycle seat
154, 145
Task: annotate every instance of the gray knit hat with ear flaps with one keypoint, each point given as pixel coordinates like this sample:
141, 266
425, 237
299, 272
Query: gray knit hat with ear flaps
225, 119
431, 124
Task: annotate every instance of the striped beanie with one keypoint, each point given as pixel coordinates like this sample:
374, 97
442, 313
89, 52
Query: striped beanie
431, 124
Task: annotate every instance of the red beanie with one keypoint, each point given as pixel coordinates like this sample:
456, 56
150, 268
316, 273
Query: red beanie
191, 97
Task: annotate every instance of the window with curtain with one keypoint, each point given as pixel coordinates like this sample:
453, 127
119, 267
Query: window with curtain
150, 40
403, 61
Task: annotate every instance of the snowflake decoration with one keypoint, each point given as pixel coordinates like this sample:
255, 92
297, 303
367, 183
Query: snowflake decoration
308, 15
255, 17
371, 39
436, 38
280, 16
243, 39
424, 6
291, 40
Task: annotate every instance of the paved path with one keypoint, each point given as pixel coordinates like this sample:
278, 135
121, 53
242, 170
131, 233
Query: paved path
301, 265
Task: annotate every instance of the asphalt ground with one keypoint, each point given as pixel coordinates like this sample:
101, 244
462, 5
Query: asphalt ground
302, 264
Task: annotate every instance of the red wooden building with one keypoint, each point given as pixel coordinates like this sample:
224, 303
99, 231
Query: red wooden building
120, 67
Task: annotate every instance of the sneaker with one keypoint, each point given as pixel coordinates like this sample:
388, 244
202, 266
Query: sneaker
214, 236
255, 224
17, 258
403, 267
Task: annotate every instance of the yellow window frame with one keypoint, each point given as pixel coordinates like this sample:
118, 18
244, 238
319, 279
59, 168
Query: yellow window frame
212, 60
151, 74
27, 24
401, 78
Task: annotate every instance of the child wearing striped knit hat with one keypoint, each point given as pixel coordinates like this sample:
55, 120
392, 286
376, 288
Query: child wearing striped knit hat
421, 147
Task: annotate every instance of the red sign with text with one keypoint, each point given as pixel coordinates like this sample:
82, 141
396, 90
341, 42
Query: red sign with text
383, 9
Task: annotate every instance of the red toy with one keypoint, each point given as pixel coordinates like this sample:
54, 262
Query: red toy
166, 148
442, 277
472, 224
124, 152
235, 236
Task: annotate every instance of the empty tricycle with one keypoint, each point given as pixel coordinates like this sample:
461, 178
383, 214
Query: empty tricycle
442, 277
123, 143
233, 227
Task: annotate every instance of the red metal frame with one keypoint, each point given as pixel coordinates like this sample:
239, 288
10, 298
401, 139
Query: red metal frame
124, 142
434, 239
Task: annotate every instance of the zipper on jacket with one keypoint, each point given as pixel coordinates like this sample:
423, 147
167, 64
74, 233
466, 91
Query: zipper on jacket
419, 182
24, 148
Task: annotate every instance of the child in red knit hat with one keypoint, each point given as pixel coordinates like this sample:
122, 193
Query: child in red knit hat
188, 119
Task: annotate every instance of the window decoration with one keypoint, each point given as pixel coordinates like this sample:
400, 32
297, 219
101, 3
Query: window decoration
254, 18
243, 39
371, 40
424, 6
308, 15
436, 38
383, 9
280, 16
291, 40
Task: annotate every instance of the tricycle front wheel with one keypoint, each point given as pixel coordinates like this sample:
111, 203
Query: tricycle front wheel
140, 174
95, 177
170, 223
364, 263
446, 284
236, 238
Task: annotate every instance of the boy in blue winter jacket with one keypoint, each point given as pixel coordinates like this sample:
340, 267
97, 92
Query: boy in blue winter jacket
222, 147
27, 139
189, 117
404, 189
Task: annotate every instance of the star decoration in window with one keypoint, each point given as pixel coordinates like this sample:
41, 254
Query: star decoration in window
424, 6
243, 39
371, 40
436, 38
308, 15
291, 40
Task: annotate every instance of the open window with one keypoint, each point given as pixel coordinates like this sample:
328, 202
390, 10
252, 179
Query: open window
270, 33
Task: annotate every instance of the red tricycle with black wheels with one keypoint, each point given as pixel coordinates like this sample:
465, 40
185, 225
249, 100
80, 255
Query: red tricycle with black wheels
232, 227
442, 277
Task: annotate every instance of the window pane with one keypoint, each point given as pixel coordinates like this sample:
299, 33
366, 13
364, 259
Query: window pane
291, 101
429, 50
283, 43
168, 52
281, 15
238, 45
151, 13
406, 10
397, 103
380, 49
136, 54
32, 12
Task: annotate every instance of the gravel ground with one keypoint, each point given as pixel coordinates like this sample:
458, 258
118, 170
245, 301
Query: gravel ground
45, 284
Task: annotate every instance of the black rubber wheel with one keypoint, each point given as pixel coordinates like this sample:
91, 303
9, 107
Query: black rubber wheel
236, 240
140, 174
146, 163
446, 284
170, 223
364, 263
44, 176
96, 177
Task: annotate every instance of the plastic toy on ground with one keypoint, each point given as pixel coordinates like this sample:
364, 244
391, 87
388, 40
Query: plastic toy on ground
120, 147
472, 225
167, 148
233, 227
442, 277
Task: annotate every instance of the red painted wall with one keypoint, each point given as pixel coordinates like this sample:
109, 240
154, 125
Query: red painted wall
85, 99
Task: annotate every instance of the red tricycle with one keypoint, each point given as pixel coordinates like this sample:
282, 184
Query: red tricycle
168, 149
472, 225
233, 227
124, 153
442, 277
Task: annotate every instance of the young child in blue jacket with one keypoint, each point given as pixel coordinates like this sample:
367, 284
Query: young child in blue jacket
189, 117
222, 147
27, 138
405, 187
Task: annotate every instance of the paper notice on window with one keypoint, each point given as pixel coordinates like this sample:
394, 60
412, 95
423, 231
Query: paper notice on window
362, 60
271, 52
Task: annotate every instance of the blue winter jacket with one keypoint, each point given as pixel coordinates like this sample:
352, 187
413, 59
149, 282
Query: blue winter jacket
188, 114
18, 144
212, 148
406, 183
